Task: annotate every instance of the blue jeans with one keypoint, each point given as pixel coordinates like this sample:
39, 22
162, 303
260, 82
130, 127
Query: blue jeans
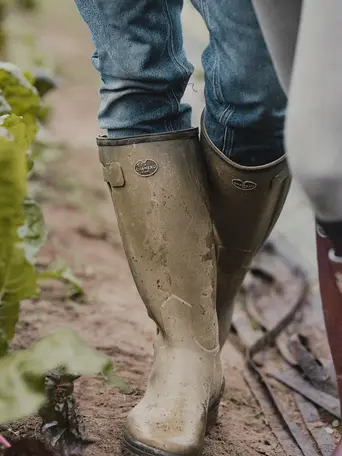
140, 56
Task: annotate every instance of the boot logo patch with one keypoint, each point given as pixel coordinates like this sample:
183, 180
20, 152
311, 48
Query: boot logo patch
146, 168
244, 185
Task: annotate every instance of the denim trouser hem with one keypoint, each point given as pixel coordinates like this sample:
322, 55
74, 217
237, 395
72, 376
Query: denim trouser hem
140, 57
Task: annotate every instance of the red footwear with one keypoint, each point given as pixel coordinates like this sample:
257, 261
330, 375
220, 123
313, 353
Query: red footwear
330, 280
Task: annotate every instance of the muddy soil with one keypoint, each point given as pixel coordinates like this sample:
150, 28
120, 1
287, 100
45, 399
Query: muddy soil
83, 230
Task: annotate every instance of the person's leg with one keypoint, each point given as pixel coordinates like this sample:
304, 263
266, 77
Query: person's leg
314, 142
313, 131
242, 140
313, 81
157, 182
245, 106
139, 54
314, 138
159, 192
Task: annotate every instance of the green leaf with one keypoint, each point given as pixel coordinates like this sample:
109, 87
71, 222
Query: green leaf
18, 130
5, 108
21, 96
33, 232
9, 314
20, 284
30, 163
59, 270
45, 113
23, 372
13, 174
17, 275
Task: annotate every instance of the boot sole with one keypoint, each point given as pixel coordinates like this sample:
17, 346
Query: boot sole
132, 447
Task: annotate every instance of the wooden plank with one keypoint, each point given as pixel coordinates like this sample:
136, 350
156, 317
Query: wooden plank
272, 418
325, 441
298, 435
316, 373
294, 381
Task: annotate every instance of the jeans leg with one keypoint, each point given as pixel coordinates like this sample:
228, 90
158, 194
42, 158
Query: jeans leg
245, 105
140, 57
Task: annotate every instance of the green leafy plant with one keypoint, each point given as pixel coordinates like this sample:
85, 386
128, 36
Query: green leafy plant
23, 379
17, 274
59, 270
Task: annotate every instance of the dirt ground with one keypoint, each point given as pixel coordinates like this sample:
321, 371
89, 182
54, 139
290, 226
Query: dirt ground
83, 230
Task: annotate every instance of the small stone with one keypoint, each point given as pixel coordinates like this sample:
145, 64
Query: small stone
329, 430
335, 423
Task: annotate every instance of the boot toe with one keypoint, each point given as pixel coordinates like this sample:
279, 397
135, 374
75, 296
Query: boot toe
160, 435
157, 447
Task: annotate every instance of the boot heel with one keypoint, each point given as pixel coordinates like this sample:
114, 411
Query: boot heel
214, 410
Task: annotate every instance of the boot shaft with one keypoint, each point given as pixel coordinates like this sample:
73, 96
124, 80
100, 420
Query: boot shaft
159, 191
158, 187
246, 203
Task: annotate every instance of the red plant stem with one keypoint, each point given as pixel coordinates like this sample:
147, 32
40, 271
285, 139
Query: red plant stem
4, 442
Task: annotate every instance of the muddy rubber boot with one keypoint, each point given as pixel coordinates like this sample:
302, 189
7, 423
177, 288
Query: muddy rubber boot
330, 281
159, 191
246, 202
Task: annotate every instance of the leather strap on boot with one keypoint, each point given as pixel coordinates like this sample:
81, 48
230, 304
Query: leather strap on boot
246, 203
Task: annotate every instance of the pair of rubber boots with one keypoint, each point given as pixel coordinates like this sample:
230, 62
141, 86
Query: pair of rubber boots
191, 221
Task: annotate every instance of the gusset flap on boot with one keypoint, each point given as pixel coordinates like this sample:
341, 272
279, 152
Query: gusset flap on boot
113, 175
